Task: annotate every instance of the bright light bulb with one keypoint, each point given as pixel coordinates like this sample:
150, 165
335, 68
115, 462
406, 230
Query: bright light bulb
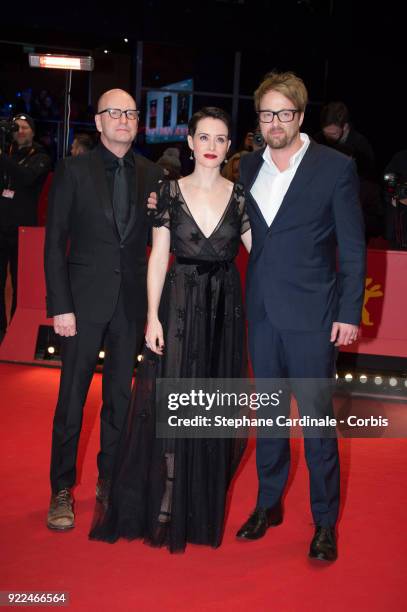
363, 378
393, 381
378, 380
51, 350
101, 354
348, 377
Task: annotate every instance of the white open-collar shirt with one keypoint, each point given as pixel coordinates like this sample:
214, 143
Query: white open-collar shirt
271, 184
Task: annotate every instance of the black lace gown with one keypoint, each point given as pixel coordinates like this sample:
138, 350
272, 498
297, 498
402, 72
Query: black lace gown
170, 492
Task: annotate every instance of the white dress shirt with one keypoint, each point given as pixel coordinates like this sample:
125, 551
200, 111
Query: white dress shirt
271, 184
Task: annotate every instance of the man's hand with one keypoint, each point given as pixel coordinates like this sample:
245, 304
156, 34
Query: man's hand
152, 200
344, 333
65, 324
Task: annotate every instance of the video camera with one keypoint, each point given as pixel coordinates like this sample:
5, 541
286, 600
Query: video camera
395, 186
8, 127
6, 130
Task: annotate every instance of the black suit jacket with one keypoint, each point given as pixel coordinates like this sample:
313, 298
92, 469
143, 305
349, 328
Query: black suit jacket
307, 269
86, 262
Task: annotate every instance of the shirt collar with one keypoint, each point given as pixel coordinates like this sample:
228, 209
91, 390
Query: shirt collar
110, 159
294, 159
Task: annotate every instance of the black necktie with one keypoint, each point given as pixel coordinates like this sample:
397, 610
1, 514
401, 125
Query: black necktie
121, 206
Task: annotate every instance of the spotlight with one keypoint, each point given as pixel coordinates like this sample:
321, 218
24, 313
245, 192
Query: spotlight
393, 381
363, 378
126, 40
139, 358
106, 51
101, 354
51, 350
378, 380
348, 377
336, 376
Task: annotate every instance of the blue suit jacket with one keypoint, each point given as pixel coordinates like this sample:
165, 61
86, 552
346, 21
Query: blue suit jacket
307, 269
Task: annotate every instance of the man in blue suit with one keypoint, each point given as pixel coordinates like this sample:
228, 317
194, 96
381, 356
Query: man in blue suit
305, 216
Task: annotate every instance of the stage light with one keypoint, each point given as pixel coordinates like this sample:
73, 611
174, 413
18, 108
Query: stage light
378, 380
336, 376
51, 350
363, 378
101, 354
348, 377
106, 51
139, 358
393, 382
126, 40
61, 62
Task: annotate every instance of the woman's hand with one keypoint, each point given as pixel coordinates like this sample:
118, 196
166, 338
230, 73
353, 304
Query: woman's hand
154, 336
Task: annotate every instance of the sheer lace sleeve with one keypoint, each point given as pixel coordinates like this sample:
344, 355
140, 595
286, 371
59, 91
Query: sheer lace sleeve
244, 217
160, 217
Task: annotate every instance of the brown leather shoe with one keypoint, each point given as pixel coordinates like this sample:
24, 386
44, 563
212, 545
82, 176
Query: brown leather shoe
60, 513
102, 490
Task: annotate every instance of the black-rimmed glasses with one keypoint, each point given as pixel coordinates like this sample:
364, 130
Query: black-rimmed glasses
285, 115
116, 113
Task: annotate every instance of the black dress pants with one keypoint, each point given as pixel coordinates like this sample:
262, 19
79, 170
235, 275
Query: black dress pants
121, 339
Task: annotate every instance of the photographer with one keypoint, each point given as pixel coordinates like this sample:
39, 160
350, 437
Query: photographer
253, 141
24, 166
395, 194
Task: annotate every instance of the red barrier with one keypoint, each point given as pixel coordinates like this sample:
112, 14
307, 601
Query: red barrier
21, 337
384, 329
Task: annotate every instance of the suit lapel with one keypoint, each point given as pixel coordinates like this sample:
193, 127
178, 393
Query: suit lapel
304, 174
253, 174
98, 172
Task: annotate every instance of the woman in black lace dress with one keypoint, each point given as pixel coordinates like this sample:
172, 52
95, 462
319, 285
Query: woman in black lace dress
170, 492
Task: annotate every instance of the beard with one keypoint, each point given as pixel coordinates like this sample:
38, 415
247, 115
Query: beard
279, 139
23, 141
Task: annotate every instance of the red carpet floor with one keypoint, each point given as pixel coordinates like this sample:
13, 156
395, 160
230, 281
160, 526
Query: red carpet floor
270, 574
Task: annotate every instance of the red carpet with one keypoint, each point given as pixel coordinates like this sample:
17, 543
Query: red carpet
271, 574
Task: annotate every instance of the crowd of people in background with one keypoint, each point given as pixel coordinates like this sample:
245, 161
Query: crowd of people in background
47, 110
44, 105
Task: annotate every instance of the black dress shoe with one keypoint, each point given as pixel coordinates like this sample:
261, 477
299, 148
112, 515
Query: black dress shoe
323, 545
259, 521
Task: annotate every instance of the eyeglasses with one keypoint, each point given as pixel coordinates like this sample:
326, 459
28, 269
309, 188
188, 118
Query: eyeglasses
116, 113
285, 115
